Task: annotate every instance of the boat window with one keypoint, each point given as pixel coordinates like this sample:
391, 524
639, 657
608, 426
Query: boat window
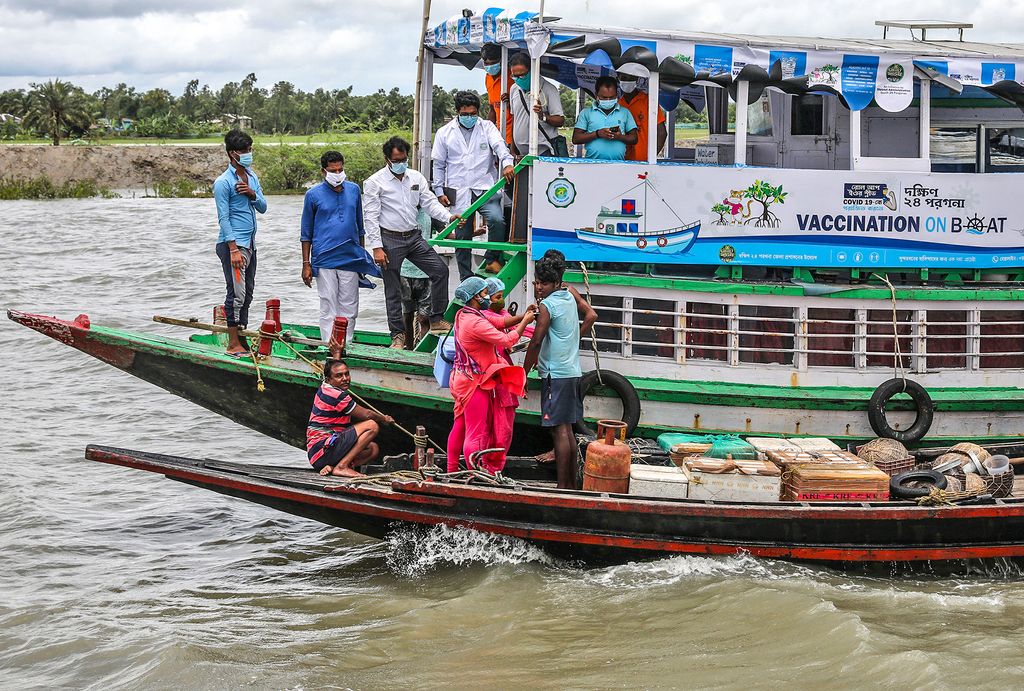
608, 328
721, 111
1002, 332
830, 337
634, 227
759, 117
620, 227
881, 344
706, 331
1005, 148
946, 342
766, 334
954, 149
660, 340
808, 115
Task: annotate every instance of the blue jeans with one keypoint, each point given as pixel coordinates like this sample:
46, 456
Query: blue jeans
494, 214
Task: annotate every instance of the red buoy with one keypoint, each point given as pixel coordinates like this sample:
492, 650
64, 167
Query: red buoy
274, 312
267, 327
338, 335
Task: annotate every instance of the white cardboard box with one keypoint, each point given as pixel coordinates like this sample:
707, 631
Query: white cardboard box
657, 481
765, 444
756, 489
815, 444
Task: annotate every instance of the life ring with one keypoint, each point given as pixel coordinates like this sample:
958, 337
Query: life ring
641, 243
898, 484
923, 405
622, 388
662, 241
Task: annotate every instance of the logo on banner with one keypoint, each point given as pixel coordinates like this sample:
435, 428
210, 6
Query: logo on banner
727, 253
894, 72
561, 192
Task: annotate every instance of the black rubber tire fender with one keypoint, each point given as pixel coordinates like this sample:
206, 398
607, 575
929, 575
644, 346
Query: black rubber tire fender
923, 405
622, 388
898, 489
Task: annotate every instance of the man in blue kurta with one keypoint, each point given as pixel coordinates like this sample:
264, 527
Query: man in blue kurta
606, 128
239, 198
332, 244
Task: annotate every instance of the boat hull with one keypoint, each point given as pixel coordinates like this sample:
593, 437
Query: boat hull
676, 242
601, 528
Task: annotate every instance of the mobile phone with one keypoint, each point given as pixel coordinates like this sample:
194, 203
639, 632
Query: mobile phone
614, 129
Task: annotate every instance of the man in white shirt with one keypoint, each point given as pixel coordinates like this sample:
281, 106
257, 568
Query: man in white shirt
550, 115
465, 155
391, 199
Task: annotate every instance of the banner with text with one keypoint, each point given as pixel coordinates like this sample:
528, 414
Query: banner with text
690, 214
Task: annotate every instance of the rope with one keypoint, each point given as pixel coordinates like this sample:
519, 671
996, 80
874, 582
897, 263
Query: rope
898, 370
940, 497
260, 386
593, 328
319, 369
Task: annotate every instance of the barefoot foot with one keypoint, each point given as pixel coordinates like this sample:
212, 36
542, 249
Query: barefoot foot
326, 470
347, 472
547, 457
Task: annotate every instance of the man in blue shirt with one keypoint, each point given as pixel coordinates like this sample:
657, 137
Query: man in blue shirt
239, 196
606, 127
331, 233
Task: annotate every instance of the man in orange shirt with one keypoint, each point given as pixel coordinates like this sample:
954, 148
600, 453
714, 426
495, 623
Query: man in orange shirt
636, 102
491, 54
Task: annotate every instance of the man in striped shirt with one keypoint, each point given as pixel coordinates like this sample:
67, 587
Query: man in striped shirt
341, 433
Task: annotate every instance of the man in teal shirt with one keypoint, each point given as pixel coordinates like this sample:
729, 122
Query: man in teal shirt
606, 128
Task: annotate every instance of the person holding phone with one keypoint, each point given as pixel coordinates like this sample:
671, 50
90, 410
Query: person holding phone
606, 128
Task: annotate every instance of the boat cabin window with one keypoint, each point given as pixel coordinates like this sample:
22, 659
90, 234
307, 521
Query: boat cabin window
721, 113
659, 340
706, 331
1001, 333
954, 149
808, 115
608, 329
759, 117
1005, 149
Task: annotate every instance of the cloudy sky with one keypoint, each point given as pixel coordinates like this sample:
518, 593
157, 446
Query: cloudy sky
372, 44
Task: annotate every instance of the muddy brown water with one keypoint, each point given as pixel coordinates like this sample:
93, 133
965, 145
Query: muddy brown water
113, 578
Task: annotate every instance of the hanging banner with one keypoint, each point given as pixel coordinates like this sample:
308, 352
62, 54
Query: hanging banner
687, 214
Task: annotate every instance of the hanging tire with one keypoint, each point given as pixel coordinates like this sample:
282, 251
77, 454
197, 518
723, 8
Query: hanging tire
923, 406
932, 478
641, 243
662, 242
622, 388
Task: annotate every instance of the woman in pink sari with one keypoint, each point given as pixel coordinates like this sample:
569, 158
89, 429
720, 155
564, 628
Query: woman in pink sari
485, 385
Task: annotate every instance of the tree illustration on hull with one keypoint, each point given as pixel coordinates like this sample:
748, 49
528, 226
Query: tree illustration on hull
765, 194
721, 209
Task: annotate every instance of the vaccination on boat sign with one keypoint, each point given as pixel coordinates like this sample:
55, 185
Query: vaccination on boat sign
799, 337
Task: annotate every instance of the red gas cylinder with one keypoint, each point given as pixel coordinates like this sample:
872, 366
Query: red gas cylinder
267, 327
338, 335
274, 312
607, 465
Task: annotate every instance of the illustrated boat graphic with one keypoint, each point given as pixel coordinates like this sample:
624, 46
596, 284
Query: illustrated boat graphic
627, 227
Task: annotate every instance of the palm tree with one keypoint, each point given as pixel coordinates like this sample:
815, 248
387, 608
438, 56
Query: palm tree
57, 107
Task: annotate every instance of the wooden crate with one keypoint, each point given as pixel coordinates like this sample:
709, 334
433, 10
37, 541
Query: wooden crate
823, 482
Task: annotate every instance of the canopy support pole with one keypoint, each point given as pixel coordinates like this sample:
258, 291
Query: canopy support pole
534, 97
742, 91
421, 76
925, 120
503, 108
653, 89
855, 146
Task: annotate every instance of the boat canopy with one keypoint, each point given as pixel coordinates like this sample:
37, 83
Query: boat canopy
858, 71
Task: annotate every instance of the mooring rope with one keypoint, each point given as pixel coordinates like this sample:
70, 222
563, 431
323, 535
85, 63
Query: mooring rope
898, 371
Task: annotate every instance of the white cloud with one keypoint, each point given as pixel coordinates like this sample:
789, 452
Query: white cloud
370, 45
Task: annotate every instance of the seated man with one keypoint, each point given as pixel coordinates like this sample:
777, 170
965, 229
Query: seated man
606, 128
334, 443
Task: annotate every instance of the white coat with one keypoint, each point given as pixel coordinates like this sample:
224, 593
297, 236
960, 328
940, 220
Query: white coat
467, 166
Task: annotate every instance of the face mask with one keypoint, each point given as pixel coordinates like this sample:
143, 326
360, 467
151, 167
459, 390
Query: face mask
627, 87
484, 300
493, 70
398, 168
606, 104
335, 179
497, 304
245, 160
468, 121
523, 82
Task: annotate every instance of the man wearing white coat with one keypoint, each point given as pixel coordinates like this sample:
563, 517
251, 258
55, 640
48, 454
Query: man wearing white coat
466, 154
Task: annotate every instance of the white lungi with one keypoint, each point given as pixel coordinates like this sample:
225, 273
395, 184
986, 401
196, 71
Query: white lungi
339, 297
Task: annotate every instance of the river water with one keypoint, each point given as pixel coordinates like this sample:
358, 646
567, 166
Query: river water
114, 578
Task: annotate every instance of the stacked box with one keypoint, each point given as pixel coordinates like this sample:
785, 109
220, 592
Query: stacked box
762, 445
728, 480
815, 444
824, 482
687, 451
790, 459
665, 482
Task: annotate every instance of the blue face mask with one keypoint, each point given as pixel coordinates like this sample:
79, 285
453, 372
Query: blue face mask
523, 82
468, 121
245, 160
398, 168
493, 70
484, 300
606, 104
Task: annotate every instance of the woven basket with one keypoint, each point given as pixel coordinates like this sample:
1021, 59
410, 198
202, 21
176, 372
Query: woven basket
975, 483
1001, 485
954, 484
882, 450
969, 450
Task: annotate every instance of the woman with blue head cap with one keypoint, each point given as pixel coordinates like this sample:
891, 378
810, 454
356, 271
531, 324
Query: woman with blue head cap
486, 386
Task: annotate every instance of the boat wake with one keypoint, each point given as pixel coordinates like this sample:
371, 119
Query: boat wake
415, 551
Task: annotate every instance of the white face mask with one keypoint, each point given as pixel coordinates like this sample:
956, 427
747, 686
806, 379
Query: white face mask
335, 179
627, 87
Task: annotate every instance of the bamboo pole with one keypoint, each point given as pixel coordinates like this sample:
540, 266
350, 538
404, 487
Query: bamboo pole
417, 115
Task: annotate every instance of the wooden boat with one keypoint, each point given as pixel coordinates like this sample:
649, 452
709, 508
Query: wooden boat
594, 527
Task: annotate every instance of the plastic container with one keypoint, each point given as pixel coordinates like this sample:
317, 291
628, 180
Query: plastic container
997, 465
444, 359
732, 447
662, 482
